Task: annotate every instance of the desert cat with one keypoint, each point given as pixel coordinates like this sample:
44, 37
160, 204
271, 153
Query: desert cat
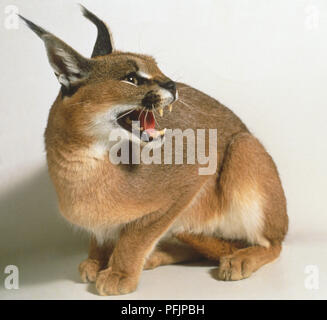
142, 215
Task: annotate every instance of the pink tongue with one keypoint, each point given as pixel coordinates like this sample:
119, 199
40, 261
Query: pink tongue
147, 121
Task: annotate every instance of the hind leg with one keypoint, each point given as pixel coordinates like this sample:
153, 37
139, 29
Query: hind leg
171, 252
251, 194
252, 209
191, 247
242, 263
237, 260
210, 247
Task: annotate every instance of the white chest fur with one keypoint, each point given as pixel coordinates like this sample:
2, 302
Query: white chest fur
108, 233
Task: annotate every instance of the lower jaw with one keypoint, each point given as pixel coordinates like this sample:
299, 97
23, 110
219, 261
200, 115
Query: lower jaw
148, 135
134, 122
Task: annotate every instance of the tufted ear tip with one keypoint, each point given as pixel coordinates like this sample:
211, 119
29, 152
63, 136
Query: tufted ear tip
38, 30
84, 10
103, 44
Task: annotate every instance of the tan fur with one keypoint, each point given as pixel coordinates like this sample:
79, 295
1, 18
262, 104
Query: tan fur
93, 193
237, 215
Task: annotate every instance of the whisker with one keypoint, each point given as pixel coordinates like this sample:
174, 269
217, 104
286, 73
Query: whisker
145, 118
154, 116
141, 113
126, 113
184, 103
192, 106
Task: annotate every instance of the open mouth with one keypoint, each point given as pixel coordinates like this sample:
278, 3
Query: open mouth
143, 122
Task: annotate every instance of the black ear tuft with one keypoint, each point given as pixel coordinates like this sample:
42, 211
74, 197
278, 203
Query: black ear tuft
103, 44
38, 30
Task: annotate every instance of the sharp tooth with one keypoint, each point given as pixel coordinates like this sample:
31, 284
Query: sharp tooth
162, 132
160, 112
170, 107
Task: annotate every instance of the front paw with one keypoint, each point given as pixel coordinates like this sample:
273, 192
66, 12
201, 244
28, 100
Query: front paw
89, 269
109, 282
235, 268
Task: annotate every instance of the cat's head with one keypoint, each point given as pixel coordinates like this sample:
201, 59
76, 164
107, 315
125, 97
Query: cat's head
107, 91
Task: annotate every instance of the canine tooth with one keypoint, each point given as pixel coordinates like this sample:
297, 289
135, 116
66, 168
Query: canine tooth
170, 107
162, 132
160, 112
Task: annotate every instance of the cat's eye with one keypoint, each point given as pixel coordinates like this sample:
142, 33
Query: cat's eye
132, 78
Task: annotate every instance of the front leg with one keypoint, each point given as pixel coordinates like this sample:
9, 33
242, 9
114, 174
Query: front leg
96, 261
135, 243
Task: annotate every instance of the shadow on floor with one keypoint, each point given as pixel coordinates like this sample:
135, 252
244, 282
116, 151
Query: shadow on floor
34, 237
33, 233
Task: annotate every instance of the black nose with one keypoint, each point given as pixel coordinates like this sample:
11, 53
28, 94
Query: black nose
169, 85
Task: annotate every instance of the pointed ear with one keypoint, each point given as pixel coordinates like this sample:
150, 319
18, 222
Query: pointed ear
104, 43
69, 66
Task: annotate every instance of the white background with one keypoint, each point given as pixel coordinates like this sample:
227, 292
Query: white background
266, 60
